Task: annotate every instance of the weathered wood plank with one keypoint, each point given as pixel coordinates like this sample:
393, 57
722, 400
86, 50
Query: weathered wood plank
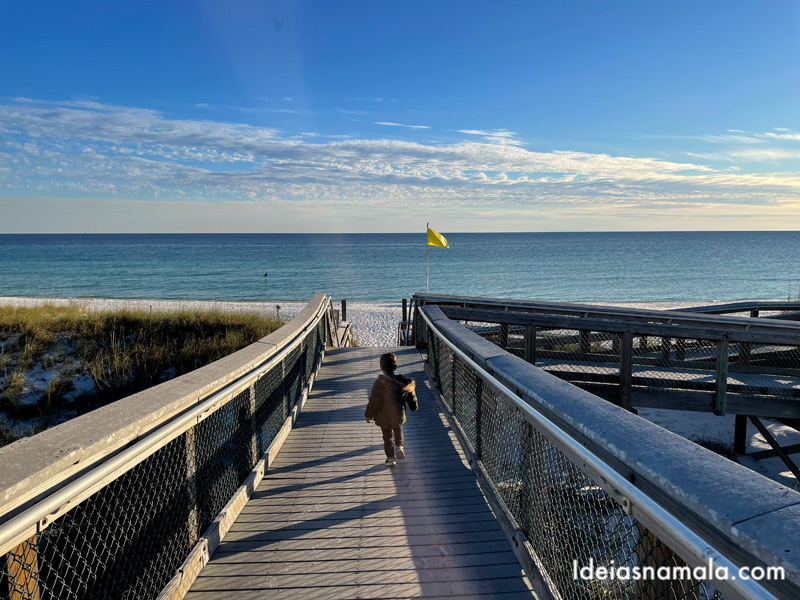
595, 311
282, 553
398, 585
721, 388
703, 330
315, 565
328, 513
242, 574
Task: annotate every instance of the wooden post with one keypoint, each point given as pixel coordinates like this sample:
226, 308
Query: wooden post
745, 353
754, 313
254, 425
776, 447
503, 335
740, 435
278, 310
405, 313
585, 342
333, 338
22, 564
530, 344
666, 351
478, 415
412, 320
453, 382
722, 377
344, 310
421, 329
680, 349
626, 370
193, 522
415, 308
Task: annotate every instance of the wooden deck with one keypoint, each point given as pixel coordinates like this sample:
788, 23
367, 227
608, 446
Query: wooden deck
329, 520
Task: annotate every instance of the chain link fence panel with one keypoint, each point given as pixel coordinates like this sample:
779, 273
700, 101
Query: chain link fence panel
591, 359
567, 517
128, 539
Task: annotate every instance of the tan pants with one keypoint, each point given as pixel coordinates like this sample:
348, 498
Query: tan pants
388, 443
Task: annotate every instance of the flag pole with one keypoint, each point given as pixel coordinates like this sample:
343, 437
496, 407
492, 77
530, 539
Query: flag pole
427, 253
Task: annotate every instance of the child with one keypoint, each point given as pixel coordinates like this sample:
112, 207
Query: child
387, 405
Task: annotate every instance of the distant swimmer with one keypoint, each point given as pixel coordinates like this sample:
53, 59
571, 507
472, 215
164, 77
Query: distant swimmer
265, 274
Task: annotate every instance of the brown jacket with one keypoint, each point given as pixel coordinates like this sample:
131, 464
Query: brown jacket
388, 399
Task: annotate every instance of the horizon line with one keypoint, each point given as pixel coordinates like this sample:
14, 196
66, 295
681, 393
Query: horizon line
399, 232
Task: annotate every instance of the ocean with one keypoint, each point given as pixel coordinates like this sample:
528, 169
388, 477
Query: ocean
602, 267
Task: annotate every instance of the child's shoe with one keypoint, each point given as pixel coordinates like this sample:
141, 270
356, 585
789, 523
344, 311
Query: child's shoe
390, 461
399, 452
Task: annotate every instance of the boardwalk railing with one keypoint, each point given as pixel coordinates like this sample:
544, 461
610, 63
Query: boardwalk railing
579, 483
128, 501
768, 309
682, 360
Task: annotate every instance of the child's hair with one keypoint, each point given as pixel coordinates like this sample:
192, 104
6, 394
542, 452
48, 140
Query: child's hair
389, 362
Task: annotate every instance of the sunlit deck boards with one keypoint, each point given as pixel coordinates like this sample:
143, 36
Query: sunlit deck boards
330, 521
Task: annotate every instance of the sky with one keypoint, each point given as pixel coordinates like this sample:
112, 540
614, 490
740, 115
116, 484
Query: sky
319, 116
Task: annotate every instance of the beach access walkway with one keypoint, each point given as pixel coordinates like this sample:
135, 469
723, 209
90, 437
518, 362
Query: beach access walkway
329, 520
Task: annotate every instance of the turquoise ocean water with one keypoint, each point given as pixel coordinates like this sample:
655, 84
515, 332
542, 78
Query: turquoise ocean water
387, 267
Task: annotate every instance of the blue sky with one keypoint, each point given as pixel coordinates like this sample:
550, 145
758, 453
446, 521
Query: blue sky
380, 116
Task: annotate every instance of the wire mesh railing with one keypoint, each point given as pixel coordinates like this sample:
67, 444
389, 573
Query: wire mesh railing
573, 509
126, 535
715, 370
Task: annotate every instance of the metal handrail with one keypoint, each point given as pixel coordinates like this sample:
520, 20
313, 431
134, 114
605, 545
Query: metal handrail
683, 540
687, 316
40, 515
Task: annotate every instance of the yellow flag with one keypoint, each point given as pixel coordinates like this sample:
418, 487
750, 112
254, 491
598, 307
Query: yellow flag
436, 239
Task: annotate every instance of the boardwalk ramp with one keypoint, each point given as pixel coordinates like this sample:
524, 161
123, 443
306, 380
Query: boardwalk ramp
329, 520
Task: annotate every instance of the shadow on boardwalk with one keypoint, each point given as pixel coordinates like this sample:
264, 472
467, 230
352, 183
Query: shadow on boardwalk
330, 521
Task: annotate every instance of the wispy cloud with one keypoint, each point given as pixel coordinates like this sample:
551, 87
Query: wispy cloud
734, 136
91, 149
750, 154
369, 99
495, 136
353, 112
390, 124
785, 134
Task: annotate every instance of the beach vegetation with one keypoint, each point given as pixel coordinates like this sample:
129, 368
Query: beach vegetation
13, 384
70, 359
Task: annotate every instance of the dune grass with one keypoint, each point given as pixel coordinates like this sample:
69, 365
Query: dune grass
123, 350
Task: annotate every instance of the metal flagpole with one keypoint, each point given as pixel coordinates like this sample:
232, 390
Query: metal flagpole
427, 253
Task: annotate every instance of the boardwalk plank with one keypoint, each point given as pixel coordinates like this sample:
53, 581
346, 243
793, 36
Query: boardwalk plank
269, 566
330, 521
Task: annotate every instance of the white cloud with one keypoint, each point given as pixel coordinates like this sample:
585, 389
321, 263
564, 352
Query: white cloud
367, 99
494, 136
785, 135
767, 154
86, 148
390, 124
735, 138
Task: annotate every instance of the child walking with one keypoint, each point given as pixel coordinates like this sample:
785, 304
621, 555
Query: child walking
387, 406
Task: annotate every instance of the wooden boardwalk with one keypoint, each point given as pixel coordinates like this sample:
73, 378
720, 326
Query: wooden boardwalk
329, 520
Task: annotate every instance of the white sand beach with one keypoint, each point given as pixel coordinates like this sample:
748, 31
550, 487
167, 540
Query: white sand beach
373, 324
376, 325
